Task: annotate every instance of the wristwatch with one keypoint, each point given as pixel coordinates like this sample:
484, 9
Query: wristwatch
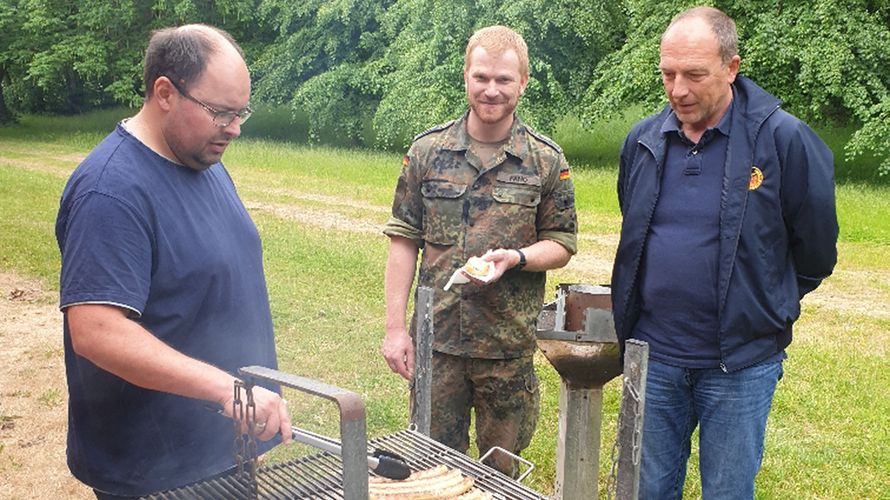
522, 261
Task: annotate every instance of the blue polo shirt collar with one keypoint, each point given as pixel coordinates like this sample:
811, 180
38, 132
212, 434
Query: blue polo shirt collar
672, 123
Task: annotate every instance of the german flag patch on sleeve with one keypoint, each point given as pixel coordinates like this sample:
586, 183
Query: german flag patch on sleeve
564, 174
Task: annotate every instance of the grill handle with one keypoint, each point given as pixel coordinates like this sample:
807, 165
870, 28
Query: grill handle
531, 465
353, 429
381, 462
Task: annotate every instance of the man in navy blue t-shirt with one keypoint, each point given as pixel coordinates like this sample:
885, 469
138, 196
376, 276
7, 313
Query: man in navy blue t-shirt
162, 283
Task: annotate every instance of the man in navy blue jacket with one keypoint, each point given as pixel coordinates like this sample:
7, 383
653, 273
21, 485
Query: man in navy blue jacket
728, 221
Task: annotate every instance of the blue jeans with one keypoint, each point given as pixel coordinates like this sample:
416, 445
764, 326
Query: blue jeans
731, 411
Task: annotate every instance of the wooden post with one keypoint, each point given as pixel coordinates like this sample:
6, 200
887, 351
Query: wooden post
423, 360
630, 419
578, 446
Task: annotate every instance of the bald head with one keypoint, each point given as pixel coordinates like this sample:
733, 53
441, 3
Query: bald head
182, 53
721, 26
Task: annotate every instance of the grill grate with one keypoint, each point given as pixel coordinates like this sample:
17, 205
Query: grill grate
320, 476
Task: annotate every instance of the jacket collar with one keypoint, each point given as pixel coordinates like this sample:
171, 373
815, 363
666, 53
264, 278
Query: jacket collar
757, 104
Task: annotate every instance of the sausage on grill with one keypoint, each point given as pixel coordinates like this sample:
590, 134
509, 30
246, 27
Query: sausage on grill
439, 482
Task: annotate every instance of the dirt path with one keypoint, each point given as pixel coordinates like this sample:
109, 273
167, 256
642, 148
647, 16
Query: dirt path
33, 395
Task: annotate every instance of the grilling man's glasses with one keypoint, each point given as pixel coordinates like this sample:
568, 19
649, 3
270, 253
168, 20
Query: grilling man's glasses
221, 119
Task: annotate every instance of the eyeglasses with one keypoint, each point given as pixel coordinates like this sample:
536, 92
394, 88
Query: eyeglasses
221, 119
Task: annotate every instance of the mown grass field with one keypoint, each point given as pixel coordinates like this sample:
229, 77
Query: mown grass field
319, 211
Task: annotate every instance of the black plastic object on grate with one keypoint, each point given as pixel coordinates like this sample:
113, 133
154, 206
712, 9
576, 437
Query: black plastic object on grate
320, 476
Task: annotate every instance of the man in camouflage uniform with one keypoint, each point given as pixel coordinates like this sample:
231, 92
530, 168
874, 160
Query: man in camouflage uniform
482, 185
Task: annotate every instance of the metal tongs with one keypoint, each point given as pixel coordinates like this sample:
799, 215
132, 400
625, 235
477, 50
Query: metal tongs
354, 454
381, 462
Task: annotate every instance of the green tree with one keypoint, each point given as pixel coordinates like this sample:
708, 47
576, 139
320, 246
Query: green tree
829, 60
13, 50
68, 57
399, 65
423, 67
395, 66
320, 60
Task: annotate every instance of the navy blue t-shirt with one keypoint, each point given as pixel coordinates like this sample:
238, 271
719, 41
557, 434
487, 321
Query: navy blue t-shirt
177, 249
678, 283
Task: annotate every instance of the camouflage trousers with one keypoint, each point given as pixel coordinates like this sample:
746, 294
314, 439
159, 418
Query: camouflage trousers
504, 395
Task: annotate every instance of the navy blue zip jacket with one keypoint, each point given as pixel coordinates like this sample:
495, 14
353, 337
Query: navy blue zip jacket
778, 224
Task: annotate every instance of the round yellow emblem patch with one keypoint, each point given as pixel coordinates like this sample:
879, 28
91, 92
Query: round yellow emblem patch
756, 179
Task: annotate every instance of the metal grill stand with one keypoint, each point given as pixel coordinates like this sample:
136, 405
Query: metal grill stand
577, 336
422, 393
318, 476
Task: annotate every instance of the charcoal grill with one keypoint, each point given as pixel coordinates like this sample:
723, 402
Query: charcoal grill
327, 476
320, 476
577, 336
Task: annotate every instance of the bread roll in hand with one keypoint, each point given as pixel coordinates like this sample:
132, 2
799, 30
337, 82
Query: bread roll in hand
478, 267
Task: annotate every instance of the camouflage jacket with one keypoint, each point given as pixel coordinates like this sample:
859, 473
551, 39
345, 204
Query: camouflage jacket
455, 208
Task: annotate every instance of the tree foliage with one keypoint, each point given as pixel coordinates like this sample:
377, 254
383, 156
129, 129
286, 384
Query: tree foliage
322, 59
388, 69
422, 70
68, 57
397, 65
828, 60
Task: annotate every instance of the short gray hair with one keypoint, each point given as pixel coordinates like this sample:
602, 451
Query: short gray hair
722, 25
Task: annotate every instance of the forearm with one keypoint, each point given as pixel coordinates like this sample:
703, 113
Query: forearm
397, 349
544, 255
105, 336
113, 342
400, 269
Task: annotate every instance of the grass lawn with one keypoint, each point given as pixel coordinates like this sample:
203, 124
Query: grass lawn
320, 209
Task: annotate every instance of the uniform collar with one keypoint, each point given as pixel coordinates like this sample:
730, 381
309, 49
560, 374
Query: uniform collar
458, 139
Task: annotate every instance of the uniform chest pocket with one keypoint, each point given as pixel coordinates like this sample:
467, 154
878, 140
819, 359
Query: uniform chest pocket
442, 189
514, 211
443, 209
516, 195
522, 190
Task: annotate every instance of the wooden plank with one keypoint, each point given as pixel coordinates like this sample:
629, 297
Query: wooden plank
423, 361
630, 419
